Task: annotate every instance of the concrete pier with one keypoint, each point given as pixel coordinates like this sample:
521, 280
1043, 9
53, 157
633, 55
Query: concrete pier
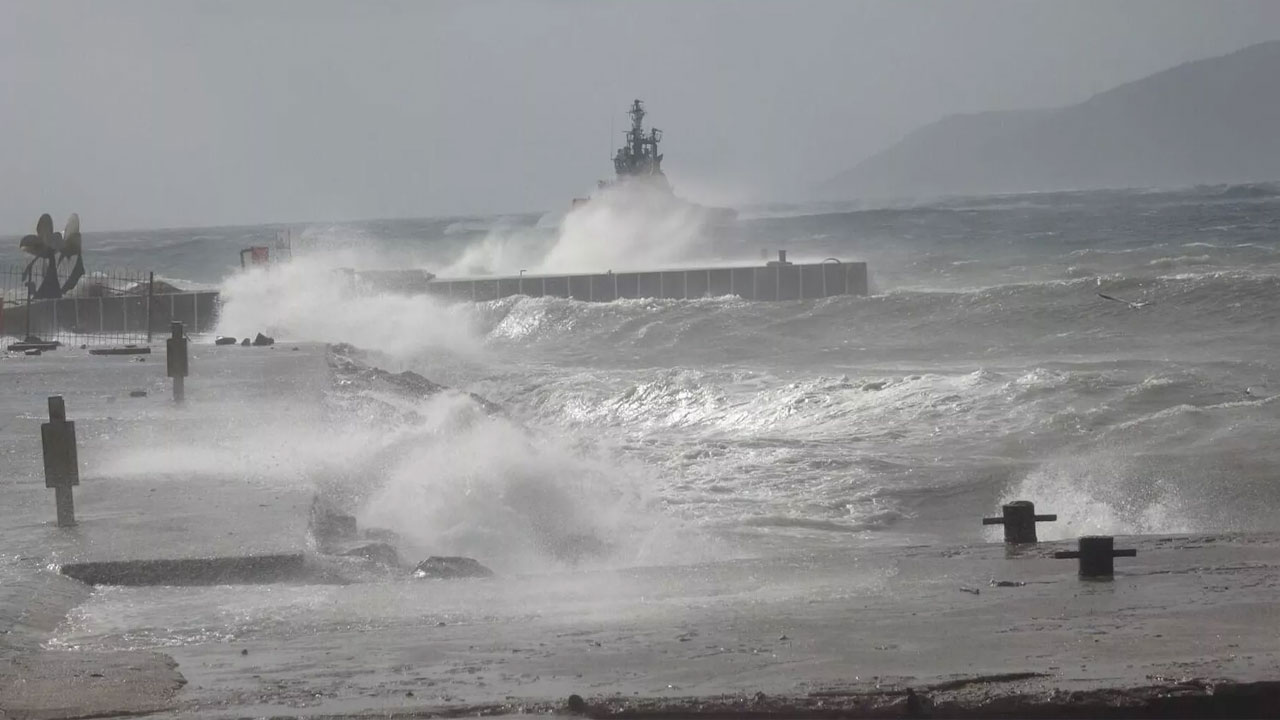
197, 311
775, 281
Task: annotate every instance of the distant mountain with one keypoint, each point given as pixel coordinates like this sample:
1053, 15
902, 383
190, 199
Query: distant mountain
1208, 121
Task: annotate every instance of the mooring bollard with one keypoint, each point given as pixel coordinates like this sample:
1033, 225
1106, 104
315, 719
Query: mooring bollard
1019, 519
61, 466
176, 359
1097, 555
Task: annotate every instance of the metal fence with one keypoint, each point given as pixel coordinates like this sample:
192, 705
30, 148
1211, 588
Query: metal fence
121, 307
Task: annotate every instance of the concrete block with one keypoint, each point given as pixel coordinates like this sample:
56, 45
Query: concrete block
788, 282
604, 287
811, 282
766, 283
742, 282
673, 285
532, 286
857, 279
251, 569
649, 284
720, 282
557, 286
696, 283
580, 287
628, 285
486, 290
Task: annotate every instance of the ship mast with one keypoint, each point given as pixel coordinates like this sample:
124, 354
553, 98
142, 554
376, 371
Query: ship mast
639, 156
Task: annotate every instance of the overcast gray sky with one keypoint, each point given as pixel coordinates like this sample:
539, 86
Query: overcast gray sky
170, 113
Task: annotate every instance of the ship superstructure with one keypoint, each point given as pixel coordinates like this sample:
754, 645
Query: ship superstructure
638, 166
639, 157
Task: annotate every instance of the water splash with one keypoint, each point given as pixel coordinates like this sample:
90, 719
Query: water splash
310, 298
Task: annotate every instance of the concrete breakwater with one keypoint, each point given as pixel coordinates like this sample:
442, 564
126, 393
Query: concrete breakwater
772, 282
134, 314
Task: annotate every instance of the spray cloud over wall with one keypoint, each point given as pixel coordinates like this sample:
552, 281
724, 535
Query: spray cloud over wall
312, 298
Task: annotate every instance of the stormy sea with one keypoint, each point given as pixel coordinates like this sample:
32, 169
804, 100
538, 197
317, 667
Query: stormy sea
670, 500
985, 366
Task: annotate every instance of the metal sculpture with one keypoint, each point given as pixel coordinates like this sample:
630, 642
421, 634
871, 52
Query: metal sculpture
52, 248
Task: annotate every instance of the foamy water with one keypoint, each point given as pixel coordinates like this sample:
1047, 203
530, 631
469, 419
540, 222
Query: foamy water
642, 433
986, 368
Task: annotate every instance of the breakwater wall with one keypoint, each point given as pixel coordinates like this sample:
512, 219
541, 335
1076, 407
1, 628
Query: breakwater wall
135, 314
772, 282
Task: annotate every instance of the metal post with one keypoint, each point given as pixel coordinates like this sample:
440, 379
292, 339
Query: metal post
61, 465
28, 314
1019, 519
151, 285
1097, 556
66, 505
176, 360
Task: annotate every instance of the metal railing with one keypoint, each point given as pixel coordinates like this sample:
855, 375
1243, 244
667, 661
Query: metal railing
116, 307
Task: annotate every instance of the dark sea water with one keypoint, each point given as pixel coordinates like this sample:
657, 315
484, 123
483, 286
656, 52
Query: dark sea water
983, 368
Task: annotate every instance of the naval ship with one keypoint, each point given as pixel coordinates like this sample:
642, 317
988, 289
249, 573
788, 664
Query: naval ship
638, 165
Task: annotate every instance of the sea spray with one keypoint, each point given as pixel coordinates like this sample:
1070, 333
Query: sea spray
490, 490
628, 226
456, 476
1104, 493
504, 250
311, 298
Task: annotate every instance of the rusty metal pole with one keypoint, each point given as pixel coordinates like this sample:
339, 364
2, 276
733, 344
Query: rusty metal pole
151, 298
176, 363
27, 338
61, 464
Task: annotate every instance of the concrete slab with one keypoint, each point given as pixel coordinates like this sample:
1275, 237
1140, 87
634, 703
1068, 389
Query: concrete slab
83, 685
281, 567
970, 630
1187, 621
126, 512
127, 350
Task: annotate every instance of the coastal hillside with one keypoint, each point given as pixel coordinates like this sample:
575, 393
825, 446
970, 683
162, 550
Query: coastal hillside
1208, 121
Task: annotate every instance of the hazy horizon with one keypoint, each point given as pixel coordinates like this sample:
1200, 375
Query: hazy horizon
191, 114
